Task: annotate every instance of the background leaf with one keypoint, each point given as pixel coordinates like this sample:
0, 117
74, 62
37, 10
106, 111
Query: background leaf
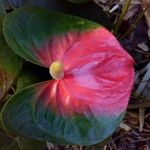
89, 10
31, 74
10, 65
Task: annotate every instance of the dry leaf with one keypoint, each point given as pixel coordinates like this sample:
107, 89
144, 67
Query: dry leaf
147, 14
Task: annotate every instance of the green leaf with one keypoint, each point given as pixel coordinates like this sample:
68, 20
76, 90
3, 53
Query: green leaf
7, 142
10, 65
24, 115
79, 1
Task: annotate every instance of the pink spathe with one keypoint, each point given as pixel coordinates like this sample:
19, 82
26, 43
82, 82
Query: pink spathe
98, 73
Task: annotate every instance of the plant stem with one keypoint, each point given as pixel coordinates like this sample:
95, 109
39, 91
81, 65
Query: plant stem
124, 11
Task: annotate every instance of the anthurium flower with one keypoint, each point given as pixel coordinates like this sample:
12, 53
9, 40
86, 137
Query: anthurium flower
92, 78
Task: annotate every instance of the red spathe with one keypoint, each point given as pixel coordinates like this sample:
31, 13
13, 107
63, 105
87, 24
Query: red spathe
98, 72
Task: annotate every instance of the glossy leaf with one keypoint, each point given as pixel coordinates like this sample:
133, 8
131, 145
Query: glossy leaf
9, 63
88, 104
